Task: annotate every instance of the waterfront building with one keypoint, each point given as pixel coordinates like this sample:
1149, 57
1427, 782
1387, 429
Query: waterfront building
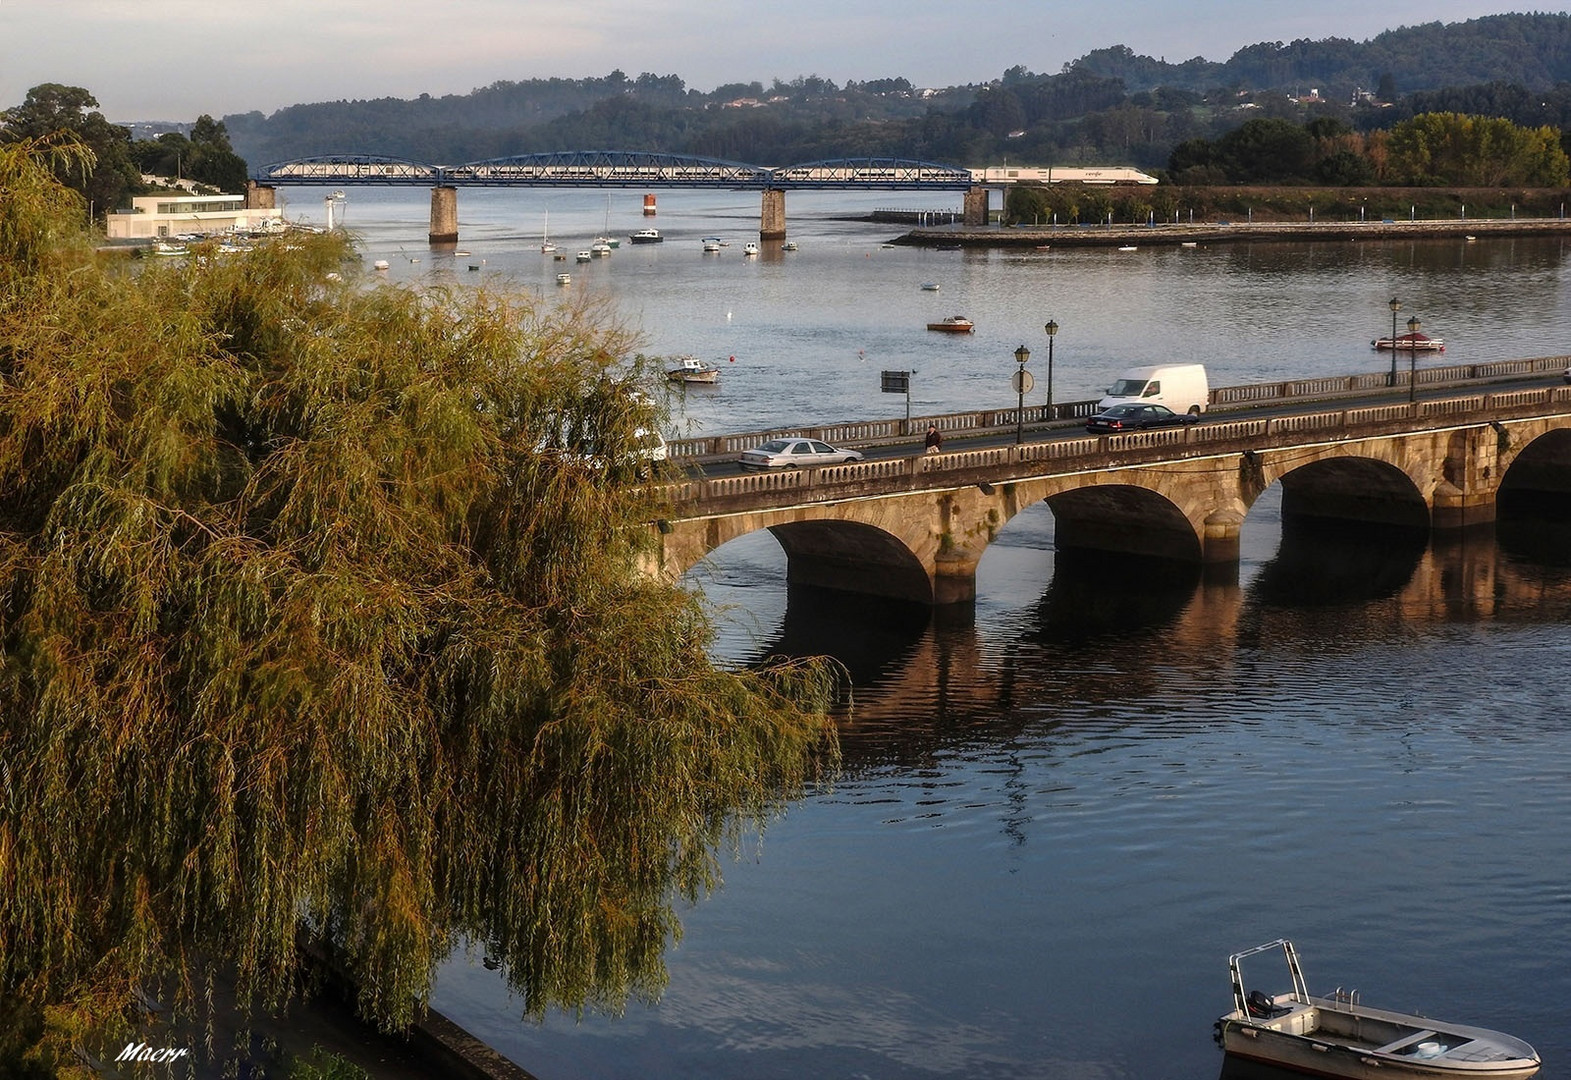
153, 217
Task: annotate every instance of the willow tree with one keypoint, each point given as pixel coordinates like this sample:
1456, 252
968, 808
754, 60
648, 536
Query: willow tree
320, 627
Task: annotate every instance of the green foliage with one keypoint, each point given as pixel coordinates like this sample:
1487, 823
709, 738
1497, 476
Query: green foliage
206, 157
305, 627
1265, 151
1454, 150
106, 177
321, 1065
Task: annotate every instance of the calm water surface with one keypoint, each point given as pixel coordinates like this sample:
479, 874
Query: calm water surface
1061, 810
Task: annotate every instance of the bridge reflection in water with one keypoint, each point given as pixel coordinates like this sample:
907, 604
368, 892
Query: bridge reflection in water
1110, 628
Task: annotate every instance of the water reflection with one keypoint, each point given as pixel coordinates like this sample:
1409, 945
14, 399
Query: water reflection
1329, 563
1117, 633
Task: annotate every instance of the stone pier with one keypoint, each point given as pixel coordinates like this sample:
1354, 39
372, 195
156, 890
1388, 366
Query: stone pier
771, 220
444, 215
260, 196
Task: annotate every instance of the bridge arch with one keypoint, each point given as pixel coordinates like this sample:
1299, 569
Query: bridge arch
832, 547
1535, 478
1353, 487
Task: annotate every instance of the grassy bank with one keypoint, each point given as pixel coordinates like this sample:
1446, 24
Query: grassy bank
1068, 205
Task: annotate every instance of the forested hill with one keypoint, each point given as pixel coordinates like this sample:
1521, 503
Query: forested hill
1109, 106
1533, 51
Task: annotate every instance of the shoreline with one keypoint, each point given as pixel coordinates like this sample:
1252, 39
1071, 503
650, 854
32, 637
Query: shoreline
1223, 232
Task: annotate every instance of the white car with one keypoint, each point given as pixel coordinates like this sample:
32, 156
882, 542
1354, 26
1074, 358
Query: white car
796, 453
1567, 375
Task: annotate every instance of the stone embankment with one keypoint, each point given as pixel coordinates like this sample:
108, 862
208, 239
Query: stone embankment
1227, 232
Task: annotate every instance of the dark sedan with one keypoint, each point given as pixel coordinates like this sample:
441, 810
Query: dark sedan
1118, 419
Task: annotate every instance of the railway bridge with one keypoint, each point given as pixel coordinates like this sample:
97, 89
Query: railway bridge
915, 528
580, 169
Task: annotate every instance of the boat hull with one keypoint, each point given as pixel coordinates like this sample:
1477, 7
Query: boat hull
1404, 345
1299, 1055
1318, 1041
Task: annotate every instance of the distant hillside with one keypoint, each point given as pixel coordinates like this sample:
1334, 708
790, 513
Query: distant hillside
1531, 50
1109, 107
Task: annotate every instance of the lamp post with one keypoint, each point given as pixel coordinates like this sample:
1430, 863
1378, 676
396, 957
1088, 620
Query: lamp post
1396, 306
1052, 331
1412, 358
1022, 354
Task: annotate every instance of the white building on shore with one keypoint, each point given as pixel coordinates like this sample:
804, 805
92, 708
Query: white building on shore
154, 217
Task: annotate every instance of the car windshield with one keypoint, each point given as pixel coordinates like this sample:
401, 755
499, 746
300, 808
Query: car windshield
1127, 388
1123, 410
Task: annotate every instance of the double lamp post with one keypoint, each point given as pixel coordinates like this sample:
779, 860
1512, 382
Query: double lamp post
1023, 382
1413, 326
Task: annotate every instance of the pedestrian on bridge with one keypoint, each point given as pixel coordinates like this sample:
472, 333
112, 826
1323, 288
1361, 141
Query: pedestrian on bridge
934, 441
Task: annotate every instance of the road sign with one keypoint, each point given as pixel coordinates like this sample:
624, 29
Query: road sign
1021, 381
896, 382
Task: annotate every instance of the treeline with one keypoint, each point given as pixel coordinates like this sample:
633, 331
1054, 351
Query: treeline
1308, 112
1111, 106
1430, 150
111, 172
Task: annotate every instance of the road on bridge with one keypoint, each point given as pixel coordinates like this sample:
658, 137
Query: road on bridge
1075, 429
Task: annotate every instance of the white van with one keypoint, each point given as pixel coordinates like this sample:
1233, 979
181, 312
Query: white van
1181, 387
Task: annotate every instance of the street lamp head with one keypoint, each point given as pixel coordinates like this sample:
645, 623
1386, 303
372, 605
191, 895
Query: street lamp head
1022, 354
1396, 305
1051, 328
1413, 324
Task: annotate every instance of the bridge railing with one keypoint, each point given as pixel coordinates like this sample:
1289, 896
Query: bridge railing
877, 432
830, 481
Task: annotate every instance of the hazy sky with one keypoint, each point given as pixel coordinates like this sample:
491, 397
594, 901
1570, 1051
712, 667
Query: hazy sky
177, 59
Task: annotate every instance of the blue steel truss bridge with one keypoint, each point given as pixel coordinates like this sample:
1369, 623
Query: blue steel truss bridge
616, 168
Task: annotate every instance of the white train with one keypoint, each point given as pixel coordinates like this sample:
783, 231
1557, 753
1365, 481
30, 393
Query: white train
1012, 174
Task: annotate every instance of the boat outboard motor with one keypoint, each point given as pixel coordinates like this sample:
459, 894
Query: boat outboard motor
1260, 1004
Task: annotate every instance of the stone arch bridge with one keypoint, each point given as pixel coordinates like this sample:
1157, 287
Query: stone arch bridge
915, 528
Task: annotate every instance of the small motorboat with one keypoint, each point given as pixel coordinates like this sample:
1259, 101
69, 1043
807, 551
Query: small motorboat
1414, 342
954, 324
1338, 1036
749, 248
646, 236
584, 256
690, 369
380, 264
564, 279
599, 248
789, 245
929, 286
711, 244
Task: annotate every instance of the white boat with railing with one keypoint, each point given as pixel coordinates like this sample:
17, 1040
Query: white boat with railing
1339, 1036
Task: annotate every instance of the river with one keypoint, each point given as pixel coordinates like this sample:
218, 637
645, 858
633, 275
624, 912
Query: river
1063, 808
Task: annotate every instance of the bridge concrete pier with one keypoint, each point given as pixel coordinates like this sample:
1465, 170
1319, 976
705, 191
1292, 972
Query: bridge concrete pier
974, 208
260, 196
771, 218
444, 215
